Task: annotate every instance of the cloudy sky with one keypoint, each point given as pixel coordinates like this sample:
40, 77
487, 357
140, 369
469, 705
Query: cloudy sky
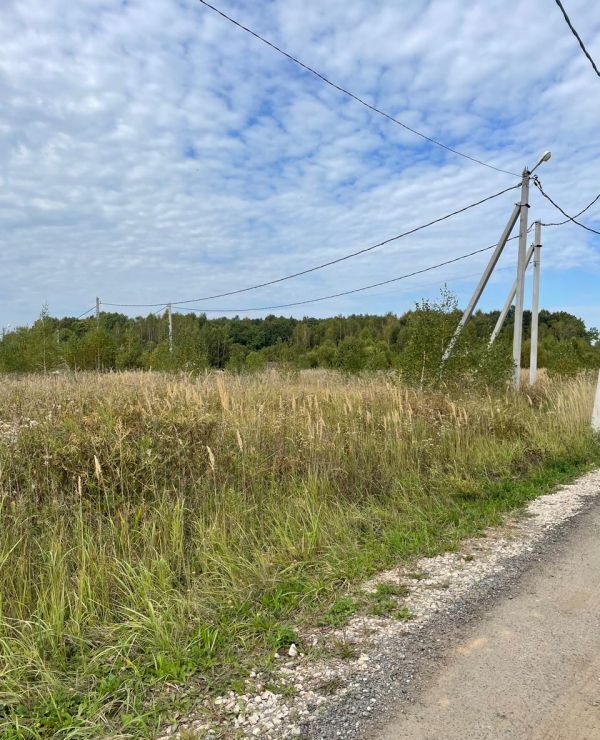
152, 152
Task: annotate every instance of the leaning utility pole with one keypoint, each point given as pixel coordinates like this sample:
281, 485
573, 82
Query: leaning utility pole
170, 314
520, 209
535, 305
508, 302
520, 292
483, 281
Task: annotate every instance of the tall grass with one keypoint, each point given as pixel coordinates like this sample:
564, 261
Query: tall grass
160, 531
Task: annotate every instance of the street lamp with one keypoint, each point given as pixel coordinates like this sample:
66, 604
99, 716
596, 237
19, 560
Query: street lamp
544, 158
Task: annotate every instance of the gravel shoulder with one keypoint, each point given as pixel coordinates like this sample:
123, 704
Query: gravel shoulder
514, 613
512, 648
530, 668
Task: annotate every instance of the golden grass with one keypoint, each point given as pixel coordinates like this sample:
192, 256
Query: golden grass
159, 528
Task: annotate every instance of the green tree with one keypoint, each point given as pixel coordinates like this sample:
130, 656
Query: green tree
43, 352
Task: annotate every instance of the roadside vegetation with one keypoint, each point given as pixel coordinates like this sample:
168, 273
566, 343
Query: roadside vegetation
161, 535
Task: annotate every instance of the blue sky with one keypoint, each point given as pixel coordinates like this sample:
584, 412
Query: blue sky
152, 152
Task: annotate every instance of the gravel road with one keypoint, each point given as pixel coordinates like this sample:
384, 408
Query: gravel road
530, 669
510, 649
503, 641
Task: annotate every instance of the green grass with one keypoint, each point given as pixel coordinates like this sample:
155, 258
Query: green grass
418, 575
160, 537
340, 611
384, 600
404, 614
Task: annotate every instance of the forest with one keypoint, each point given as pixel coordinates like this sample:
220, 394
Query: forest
412, 342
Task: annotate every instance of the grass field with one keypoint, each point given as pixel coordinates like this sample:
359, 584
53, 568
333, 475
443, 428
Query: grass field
161, 535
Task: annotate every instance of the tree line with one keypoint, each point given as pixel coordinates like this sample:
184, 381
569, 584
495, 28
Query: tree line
412, 342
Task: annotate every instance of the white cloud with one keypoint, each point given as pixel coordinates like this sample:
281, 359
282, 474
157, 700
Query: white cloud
152, 151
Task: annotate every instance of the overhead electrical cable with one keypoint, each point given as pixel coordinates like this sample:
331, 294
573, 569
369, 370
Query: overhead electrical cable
321, 266
351, 94
574, 32
85, 313
568, 220
538, 184
341, 293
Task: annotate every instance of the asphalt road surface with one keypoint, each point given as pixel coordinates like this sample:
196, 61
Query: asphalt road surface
530, 668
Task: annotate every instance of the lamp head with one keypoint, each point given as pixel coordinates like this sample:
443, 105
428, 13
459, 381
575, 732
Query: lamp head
544, 158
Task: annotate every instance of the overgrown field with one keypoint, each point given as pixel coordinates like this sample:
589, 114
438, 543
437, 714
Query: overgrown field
161, 535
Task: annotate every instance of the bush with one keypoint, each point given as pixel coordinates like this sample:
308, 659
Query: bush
426, 337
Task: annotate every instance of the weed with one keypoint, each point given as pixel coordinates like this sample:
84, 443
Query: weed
340, 611
418, 575
282, 636
343, 650
385, 598
390, 589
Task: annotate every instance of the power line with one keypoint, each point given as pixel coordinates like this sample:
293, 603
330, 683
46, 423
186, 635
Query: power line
577, 36
85, 313
344, 292
538, 184
325, 264
348, 93
583, 210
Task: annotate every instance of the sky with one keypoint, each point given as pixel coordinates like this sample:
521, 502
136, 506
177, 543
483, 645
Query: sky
151, 152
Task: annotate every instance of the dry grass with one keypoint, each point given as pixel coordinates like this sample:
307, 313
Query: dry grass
165, 531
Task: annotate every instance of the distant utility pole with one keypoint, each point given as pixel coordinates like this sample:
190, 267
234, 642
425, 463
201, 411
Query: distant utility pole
170, 314
535, 305
97, 337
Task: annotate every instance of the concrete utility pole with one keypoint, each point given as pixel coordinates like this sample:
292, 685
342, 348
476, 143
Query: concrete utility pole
520, 292
508, 302
535, 305
170, 314
97, 327
596, 411
483, 281
519, 210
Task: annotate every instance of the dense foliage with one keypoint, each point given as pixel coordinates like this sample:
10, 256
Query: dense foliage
412, 342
